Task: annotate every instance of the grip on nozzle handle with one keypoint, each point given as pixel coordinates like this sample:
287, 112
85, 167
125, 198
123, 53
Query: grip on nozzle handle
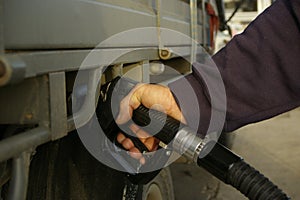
142, 116
217, 161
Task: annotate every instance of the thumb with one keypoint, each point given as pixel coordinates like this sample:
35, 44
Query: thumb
128, 104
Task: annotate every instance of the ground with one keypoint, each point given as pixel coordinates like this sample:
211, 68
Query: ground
271, 146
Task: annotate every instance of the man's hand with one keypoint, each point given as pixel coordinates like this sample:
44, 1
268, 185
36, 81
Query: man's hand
151, 96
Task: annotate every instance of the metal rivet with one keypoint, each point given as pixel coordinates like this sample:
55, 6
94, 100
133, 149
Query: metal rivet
168, 153
29, 116
165, 54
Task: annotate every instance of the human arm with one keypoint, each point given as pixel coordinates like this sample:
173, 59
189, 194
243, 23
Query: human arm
260, 69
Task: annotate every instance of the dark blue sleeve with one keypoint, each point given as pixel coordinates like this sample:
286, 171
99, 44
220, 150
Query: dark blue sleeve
260, 69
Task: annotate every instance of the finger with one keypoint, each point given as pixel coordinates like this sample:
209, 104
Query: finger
176, 114
127, 144
125, 112
120, 138
135, 153
150, 142
139, 132
142, 135
142, 160
129, 103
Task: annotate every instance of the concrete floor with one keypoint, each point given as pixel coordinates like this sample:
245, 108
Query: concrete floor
271, 146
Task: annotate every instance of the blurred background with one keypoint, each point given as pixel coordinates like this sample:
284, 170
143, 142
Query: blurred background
271, 146
238, 14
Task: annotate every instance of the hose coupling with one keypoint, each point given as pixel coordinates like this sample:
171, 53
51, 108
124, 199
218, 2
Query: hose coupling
187, 143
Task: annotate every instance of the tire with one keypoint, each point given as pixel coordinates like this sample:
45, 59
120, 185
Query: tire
64, 169
159, 188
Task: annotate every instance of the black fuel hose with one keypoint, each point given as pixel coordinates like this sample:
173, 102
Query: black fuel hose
220, 161
233, 170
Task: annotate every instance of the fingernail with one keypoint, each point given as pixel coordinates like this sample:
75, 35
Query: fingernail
142, 161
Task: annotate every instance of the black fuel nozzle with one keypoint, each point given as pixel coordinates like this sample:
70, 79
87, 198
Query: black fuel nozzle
107, 109
214, 157
111, 95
